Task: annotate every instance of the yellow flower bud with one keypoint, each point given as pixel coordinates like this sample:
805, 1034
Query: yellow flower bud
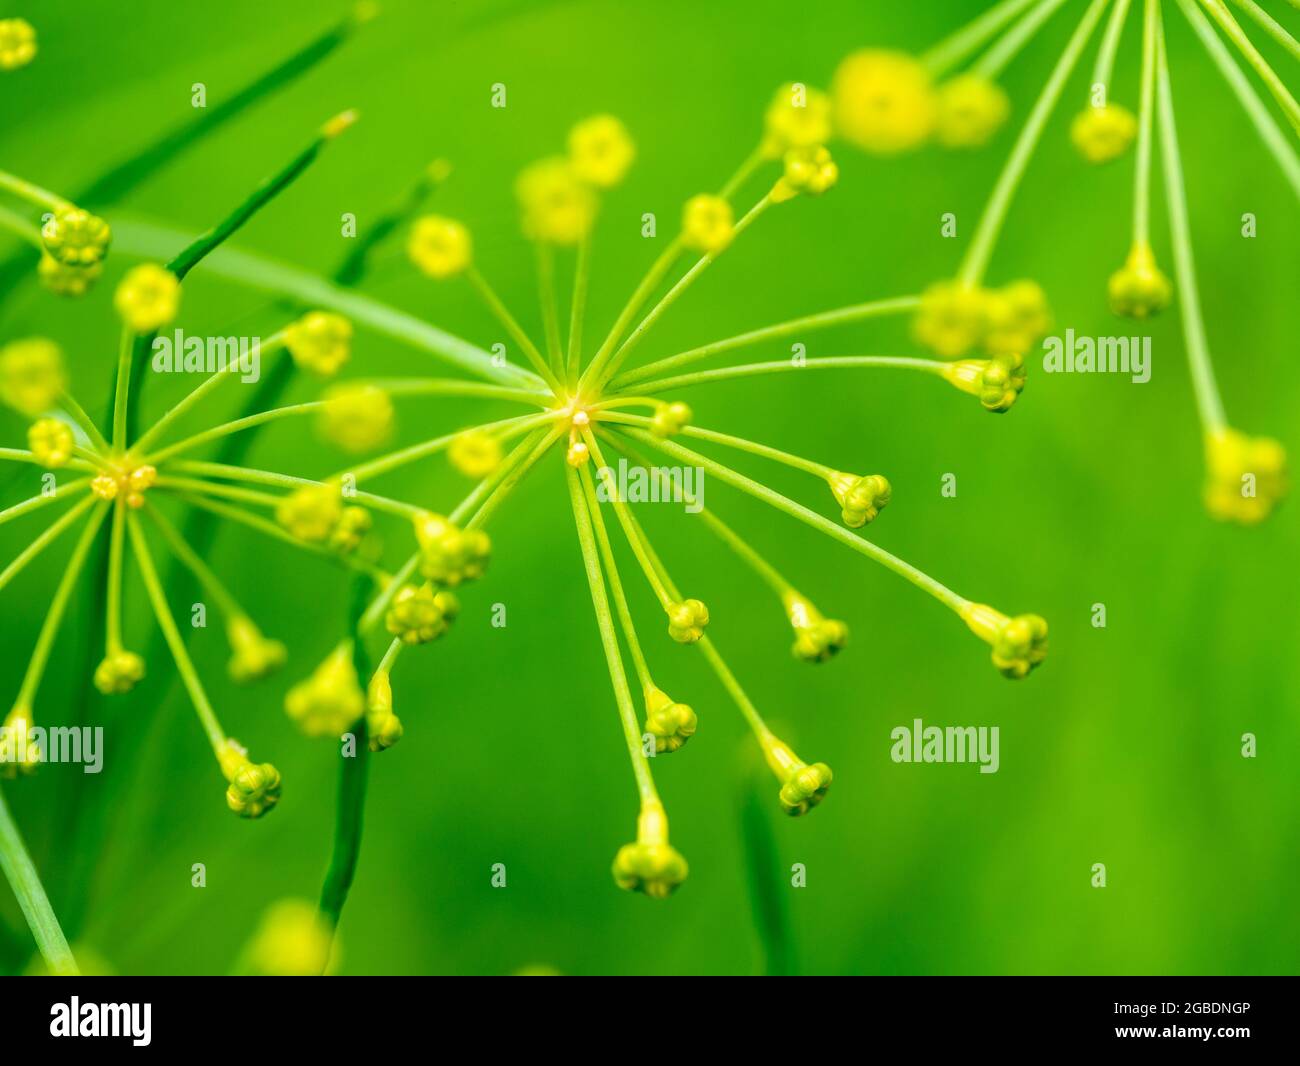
1138, 289
293, 940
578, 454
31, 375
475, 453
440, 247
883, 101
311, 512
135, 482
1246, 477
816, 639
64, 280
449, 555
119, 672
997, 381
104, 486
350, 530
797, 117
320, 341
50, 441
18, 753
356, 417
971, 109
687, 621
671, 724
707, 224
601, 151
670, 419
17, 43
252, 656
952, 319
383, 727
419, 615
861, 499
253, 788
803, 786
651, 865
1017, 317
1019, 644
1102, 134
328, 702
148, 297
557, 207
807, 170
75, 237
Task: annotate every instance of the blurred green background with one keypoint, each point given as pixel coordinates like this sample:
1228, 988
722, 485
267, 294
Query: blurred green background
1124, 748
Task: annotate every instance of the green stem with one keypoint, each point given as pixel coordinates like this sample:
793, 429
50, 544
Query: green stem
44, 540
227, 428
550, 308
997, 58
1270, 26
1105, 65
578, 310
502, 314
31, 192
208, 580
951, 52
1142, 172
43, 500
21, 227
113, 582
32, 900
833, 362
78, 414
284, 481
1233, 31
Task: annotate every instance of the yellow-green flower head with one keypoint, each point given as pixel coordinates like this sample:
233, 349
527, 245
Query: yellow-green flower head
328, 702
1017, 318
805, 788
17, 43
997, 381
577, 455
557, 207
311, 512
64, 280
671, 724
252, 656
670, 419
253, 788
75, 237
797, 117
971, 109
130, 482
356, 417
952, 318
1103, 133
294, 940
118, 672
50, 441
884, 101
383, 727
816, 639
601, 151
440, 247
806, 170
350, 530
1138, 289
860, 498
708, 224
31, 375
320, 341
17, 752
148, 297
1246, 477
651, 865
448, 554
1019, 644
687, 620
475, 453
419, 615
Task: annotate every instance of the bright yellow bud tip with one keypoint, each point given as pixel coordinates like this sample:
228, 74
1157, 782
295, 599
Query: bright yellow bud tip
357, 418
383, 727
1019, 644
807, 170
687, 621
997, 382
475, 453
861, 499
339, 123
254, 788
1102, 134
31, 375
148, 297
1246, 477
971, 109
75, 237
119, 672
816, 639
294, 940
708, 224
803, 786
50, 441
1016, 318
252, 656
328, 702
671, 724
320, 341
884, 102
419, 615
1138, 289
311, 512
64, 280
557, 207
651, 865
670, 419
18, 753
17, 43
797, 117
577, 455
600, 151
448, 554
440, 247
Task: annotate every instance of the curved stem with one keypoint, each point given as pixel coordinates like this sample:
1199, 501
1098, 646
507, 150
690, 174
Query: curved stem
833, 362
21, 874
1233, 31
29, 191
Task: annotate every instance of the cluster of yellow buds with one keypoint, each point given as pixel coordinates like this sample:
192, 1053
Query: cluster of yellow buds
883, 101
651, 865
476, 453
18, 752
997, 381
51, 442
1139, 289
861, 499
816, 638
803, 786
670, 419
1246, 477
558, 207
252, 788
31, 375
383, 727
797, 117
1019, 644
1102, 134
75, 237
118, 672
328, 702
420, 615
148, 297
687, 620
708, 224
956, 318
448, 554
252, 656
805, 170
64, 279
17, 43
440, 247
600, 151
971, 109
671, 724
356, 417
128, 482
320, 341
